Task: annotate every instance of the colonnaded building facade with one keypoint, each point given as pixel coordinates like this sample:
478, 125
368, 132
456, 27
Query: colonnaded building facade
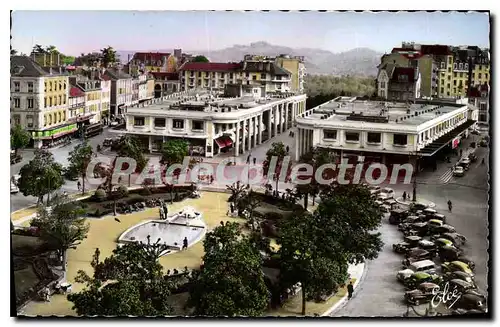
385, 132
213, 122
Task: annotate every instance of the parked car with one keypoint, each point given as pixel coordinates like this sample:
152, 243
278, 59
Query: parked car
458, 171
422, 294
427, 266
404, 274
412, 219
443, 229
410, 259
459, 275
419, 229
397, 216
457, 266
472, 157
421, 277
388, 191
440, 242
440, 216
456, 238
418, 206
417, 252
459, 286
464, 165
13, 188
467, 261
471, 302
384, 197
461, 312
412, 240
449, 253
426, 245
401, 248
433, 223
465, 161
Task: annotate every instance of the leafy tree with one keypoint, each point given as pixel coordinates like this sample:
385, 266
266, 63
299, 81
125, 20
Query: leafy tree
62, 225
109, 56
200, 58
19, 138
237, 190
106, 172
353, 206
231, 282
13, 52
131, 147
278, 150
174, 151
41, 176
52, 49
303, 260
38, 49
79, 159
89, 59
316, 158
129, 282
250, 201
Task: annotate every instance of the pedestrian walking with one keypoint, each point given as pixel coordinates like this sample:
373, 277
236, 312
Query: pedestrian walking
185, 243
211, 179
449, 205
404, 195
255, 160
165, 210
162, 213
248, 159
79, 185
287, 149
231, 207
350, 290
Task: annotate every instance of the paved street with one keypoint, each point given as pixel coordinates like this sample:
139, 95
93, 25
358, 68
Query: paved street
380, 293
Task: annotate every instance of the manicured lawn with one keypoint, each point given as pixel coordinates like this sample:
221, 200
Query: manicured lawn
104, 232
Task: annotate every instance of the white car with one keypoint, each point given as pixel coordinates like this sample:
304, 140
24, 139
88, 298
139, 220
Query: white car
384, 197
13, 188
458, 171
388, 190
404, 274
465, 161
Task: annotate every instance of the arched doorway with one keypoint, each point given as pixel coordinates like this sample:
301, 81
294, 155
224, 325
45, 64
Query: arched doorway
157, 91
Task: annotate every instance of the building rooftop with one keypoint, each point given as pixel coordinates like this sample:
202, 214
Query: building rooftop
211, 66
201, 103
342, 110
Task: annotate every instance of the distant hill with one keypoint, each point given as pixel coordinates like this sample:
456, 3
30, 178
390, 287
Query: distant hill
357, 62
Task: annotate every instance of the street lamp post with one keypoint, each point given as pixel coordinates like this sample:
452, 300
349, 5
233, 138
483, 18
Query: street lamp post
414, 191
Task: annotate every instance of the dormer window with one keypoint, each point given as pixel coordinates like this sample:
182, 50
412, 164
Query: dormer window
442, 65
466, 66
454, 66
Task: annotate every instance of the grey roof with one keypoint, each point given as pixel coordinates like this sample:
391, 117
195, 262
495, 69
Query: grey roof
116, 74
23, 66
265, 67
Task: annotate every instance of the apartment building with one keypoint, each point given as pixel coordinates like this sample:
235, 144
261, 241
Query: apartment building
39, 100
164, 62
105, 99
293, 64
208, 75
446, 71
398, 83
266, 73
166, 83
121, 90
479, 96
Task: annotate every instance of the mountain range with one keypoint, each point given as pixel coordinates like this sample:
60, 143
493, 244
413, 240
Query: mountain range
357, 62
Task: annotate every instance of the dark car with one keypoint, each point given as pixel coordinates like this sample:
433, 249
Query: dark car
397, 216
412, 240
418, 206
401, 247
472, 157
459, 275
423, 294
417, 255
443, 229
421, 277
456, 238
460, 286
449, 253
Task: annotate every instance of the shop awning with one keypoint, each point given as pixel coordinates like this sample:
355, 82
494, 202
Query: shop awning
224, 141
431, 149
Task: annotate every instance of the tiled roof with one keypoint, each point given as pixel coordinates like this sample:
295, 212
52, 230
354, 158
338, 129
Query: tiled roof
76, 92
437, 50
403, 71
148, 56
169, 76
265, 67
23, 66
116, 74
211, 66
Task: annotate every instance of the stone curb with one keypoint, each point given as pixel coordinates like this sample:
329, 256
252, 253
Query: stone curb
407, 203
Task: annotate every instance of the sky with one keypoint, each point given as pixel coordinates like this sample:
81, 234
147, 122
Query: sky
74, 32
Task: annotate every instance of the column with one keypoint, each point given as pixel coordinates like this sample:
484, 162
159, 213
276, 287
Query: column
249, 133
243, 139
275, 112
237, 141
297, 145
255, 123
286, 116
150, 145
260, 128
269, 134
282, 118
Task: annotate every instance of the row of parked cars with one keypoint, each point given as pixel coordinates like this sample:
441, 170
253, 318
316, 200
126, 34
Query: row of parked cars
463, 165
433, 257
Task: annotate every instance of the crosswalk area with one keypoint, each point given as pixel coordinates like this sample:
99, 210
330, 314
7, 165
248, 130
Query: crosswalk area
447, 176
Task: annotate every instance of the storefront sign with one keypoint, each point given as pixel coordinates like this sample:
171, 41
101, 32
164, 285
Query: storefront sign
455, 142
54, 132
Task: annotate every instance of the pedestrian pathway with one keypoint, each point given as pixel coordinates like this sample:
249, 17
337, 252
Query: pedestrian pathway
356, 272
